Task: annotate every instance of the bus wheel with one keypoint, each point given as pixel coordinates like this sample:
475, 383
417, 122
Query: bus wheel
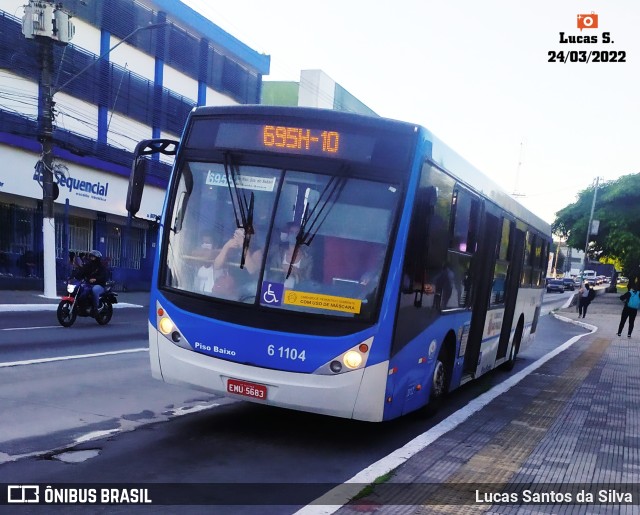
439, 382
515, 347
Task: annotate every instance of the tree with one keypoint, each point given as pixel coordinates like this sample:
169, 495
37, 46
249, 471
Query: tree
618, 210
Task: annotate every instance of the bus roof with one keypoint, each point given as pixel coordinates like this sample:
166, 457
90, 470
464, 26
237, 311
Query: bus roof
451, 161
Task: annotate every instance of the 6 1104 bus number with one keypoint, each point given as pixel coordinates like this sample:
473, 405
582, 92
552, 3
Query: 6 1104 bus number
286, 353
297, 138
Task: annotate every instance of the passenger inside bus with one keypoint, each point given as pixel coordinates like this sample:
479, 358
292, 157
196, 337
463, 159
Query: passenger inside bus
204, 275
231, 280
445, 287
252, 259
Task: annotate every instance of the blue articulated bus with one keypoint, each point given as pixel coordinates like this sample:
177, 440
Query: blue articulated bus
334, 263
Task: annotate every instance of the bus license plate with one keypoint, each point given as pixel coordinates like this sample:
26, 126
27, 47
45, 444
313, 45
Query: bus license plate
257, 391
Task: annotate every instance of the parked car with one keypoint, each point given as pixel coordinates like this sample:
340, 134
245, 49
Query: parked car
568, 284
556, 285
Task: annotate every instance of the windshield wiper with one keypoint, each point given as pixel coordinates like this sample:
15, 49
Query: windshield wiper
313, 220
242, 207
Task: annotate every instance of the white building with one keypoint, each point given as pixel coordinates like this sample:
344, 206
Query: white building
315, 89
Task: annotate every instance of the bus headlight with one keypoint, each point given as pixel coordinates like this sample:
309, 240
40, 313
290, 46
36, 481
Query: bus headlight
165, 325
352, 359
169, 329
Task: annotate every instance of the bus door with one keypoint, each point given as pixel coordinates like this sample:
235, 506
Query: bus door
483, 279
514, 270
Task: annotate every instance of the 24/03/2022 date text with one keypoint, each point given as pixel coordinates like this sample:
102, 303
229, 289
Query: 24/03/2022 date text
591, 56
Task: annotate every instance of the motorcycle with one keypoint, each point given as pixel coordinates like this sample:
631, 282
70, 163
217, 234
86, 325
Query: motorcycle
79, 302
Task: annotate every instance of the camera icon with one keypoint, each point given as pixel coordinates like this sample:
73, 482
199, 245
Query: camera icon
588, 21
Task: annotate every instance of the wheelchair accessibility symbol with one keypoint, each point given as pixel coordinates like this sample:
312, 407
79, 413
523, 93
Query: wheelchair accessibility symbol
271, 293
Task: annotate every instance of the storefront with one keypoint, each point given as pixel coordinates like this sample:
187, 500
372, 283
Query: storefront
90, 214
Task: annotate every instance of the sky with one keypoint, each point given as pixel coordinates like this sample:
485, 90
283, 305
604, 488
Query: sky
477, 74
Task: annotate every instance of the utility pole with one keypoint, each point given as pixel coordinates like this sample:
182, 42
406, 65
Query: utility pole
47, 23
555, 261
586, 244
45, 130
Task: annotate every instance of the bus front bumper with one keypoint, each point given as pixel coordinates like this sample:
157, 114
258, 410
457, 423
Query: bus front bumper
358, 394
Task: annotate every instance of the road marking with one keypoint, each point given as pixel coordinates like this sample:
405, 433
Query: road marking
27, 328
67, 358
336, 498
50, 327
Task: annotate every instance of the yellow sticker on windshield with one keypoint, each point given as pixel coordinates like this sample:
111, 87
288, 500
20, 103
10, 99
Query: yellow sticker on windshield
318, 301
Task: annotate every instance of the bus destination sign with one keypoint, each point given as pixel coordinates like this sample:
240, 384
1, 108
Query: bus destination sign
295, 140
302, 139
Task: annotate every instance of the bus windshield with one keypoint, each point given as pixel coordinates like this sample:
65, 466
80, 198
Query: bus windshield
279, 238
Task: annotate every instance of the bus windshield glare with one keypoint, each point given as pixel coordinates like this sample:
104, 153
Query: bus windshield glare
280, 239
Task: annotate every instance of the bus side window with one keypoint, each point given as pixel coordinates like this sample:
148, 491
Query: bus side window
539, 264
465, 216
415, 271
501, 268
430, 233
527, 265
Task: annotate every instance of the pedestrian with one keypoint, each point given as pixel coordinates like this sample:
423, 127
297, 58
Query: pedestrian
585, 296
631, 301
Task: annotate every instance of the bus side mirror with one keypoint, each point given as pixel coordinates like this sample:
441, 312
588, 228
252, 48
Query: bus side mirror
139, 168
136, 185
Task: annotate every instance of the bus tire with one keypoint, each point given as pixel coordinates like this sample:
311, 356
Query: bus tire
439, 382
515, 347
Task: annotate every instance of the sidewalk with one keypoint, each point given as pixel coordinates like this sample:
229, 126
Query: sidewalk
25, 300
564, 438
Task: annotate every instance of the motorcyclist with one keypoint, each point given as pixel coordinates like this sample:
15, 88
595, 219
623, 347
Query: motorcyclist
95, 274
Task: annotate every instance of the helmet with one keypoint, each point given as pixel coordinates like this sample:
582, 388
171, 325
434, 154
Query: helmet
96, 253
